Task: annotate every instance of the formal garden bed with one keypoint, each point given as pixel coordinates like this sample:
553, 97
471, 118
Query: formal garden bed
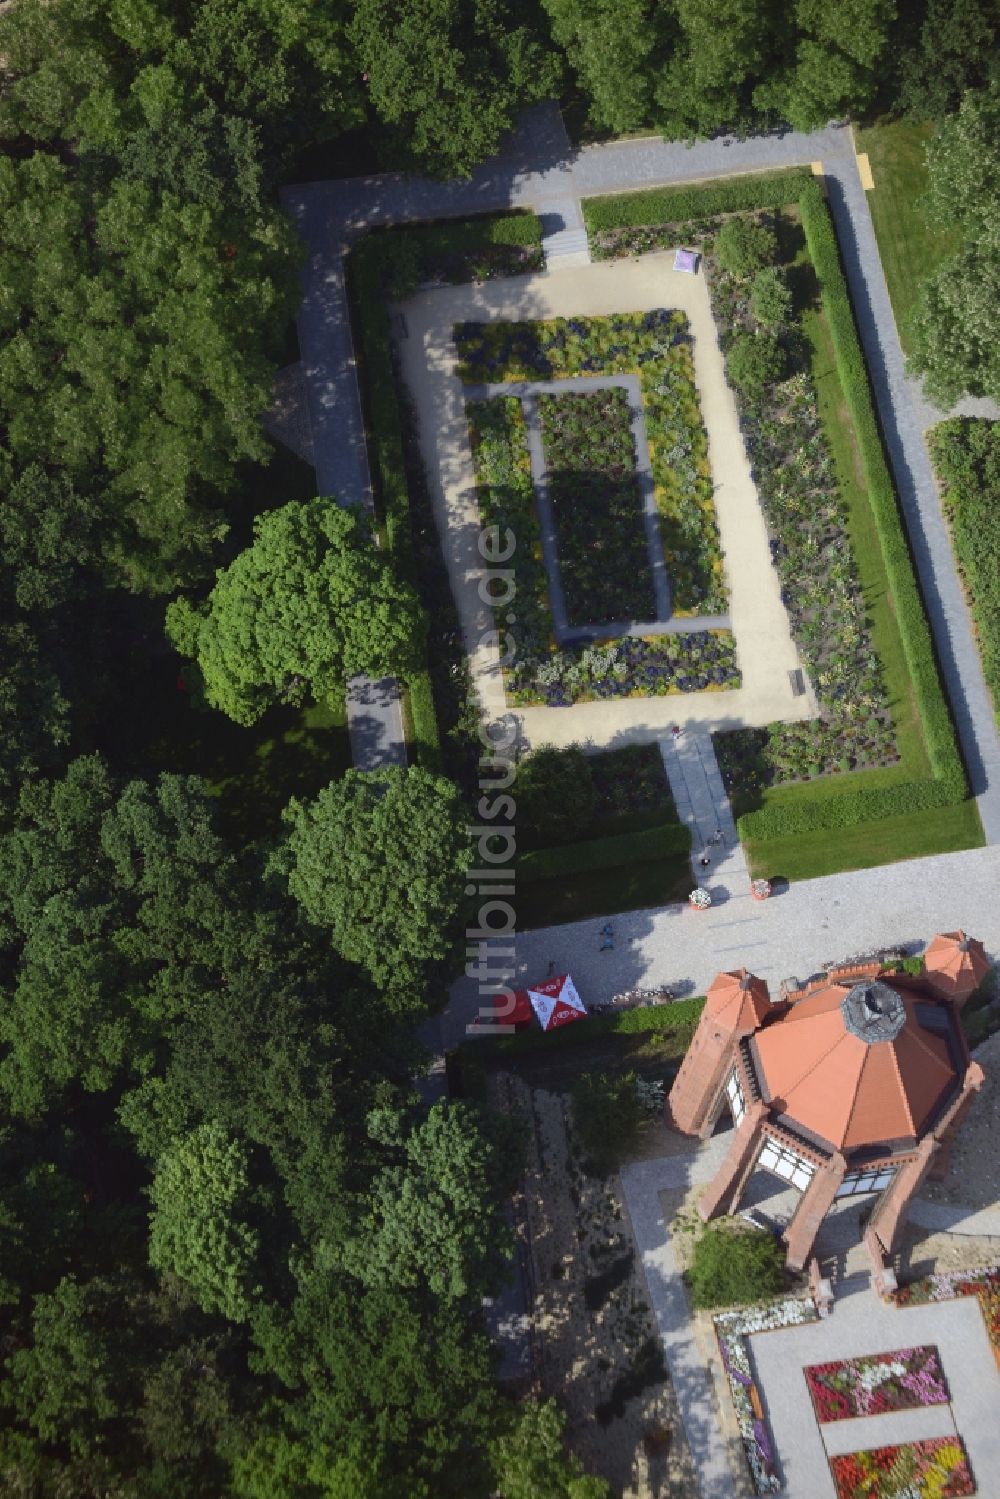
655, 345
733, 1331
597, 506
541, 672
936, 1468
984, 1284
876, 1384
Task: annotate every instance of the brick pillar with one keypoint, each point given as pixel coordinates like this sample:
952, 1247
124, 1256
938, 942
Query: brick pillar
891, 1213
952, 1122
723, 1191
817, 1200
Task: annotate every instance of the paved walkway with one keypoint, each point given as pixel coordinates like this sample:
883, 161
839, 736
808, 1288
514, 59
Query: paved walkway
862, 1324
765, 650
540, 170
702, 803
813, 924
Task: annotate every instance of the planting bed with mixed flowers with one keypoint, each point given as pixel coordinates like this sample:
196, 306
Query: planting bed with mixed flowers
934, 1469
875, 1384
733, 1331
541, 672
946, 1286
597, 507
656, 346
811, 548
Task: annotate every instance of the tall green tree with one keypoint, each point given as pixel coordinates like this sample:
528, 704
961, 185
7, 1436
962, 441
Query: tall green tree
308, 605
721, 49
833, 69
956, 326
531, 1462
612, 46
953, 46
379, 859
450, 75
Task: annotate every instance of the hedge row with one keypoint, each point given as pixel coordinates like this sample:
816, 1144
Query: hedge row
679, 1015
672, 204
949, 784
373, 343
518, 227
669, 837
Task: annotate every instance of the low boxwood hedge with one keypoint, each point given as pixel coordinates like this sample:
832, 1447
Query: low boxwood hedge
668, 205
668, 837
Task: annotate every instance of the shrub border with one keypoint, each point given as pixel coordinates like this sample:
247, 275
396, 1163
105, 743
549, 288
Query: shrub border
948, 784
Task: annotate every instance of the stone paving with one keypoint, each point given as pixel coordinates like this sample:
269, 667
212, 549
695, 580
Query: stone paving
702, 804
862, 1324
812, 924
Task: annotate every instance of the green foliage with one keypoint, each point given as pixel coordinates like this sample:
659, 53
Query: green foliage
197, 1228
673, 205
681, 1016
770, 298
611, 46
606, 1117
433, 1217
449, 75
308, 605
731, 1265
614, 852
530, 1460
956, 47
745, 245
555, 794
457, 250
956, 326
754, 361
834, 68
966, 454
379, 859
948, 783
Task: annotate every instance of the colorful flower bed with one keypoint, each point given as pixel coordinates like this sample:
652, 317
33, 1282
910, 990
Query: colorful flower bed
934, 1469
876, 1384
655, 345
541, 672
597, 507
732, 1330
945, 1287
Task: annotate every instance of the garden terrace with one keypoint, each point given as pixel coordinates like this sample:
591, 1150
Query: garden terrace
880, 768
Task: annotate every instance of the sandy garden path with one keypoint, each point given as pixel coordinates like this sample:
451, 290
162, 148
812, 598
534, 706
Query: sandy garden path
765, 649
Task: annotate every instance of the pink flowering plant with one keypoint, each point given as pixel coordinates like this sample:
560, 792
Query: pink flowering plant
876, 1384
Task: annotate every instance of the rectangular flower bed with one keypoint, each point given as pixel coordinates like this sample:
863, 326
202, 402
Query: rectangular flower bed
539, 671
656, 346
985, 1284
934, 1469
876, 1384
597, 507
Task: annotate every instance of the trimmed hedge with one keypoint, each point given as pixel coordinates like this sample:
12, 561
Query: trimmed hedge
949, 784
669, 837
679, 1015
672, 204
374, 345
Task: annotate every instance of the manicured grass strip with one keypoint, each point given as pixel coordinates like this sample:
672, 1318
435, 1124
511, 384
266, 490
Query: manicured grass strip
966, 454
624, 872
680, 1016
670, 837
865, 845
672, 204
910, 249
385, 436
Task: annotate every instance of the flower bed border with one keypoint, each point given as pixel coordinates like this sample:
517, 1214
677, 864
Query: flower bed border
733, 1331
922, 1483
822, 1395
949, 1285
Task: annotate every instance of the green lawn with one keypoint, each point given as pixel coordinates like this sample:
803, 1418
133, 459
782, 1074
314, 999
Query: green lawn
905, 837
909, 247
601, 892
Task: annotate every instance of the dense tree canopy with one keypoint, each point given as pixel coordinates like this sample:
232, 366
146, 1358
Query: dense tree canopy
956, 326
379, 860
309, 604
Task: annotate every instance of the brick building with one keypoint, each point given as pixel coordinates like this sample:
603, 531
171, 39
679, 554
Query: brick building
854, 1084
